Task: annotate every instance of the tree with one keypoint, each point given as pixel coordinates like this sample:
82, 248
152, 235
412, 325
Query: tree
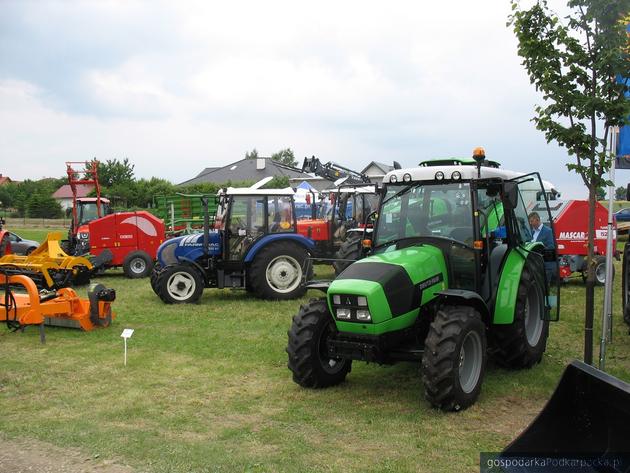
114, 172
44, 206
600, 193
620, 193
253, 154
285, 156
574, 63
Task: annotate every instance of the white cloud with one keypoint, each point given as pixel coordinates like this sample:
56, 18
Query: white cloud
178, 86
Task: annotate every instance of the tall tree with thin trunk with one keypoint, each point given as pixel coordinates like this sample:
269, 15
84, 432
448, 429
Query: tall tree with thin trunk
575, 62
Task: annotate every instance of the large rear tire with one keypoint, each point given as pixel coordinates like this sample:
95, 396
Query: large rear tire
350, 251
277, 271
522, 343
308, 361
179, 284
454, 358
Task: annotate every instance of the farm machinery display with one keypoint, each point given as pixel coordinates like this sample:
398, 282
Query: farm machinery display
127, 239
571, 228
249, 241
49, 266
24, 304
337, 221
452, 276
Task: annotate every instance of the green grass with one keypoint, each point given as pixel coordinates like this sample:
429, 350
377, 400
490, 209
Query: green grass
207, 389
37, 234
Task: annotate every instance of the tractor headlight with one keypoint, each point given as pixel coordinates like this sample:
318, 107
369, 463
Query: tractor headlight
456, 176
407, 177
345, 314
439, 176
393, 178
83, 236
351, 308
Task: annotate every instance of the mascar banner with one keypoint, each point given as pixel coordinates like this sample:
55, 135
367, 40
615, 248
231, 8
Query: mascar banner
623, 145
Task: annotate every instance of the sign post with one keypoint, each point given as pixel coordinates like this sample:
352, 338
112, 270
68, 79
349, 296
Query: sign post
127, 333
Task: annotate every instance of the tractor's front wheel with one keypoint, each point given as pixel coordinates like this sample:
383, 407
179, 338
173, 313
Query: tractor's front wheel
179, 284
308, 358
277, 271
454, 358
349, 251
154, 276
522, 343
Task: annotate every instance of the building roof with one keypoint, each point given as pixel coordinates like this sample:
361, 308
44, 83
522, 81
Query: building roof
245, 170
65, 191
384, 168
5, 180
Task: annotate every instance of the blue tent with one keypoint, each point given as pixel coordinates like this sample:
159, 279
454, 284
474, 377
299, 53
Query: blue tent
305, 185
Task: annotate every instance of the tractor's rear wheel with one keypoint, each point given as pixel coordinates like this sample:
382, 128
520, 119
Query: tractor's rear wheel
308, 358
277, 271
454, 358
137, 264
179, 284
522, 343
350, 250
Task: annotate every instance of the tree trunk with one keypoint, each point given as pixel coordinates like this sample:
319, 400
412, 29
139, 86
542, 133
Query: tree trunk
590, 278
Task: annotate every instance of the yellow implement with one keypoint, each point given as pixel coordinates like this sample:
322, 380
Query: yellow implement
54, 266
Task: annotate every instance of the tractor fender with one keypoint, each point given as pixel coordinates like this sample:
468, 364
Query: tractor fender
307, 243
202, 271
510, 278
462, 296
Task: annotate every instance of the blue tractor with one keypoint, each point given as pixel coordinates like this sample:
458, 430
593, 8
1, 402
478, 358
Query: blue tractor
249, 241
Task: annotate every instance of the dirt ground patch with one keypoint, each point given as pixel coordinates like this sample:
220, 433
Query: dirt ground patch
33, 456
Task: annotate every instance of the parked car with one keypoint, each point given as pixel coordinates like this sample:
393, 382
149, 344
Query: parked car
21, 246
623, 215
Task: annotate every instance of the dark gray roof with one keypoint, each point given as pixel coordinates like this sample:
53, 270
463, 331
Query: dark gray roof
382, 166
245, 170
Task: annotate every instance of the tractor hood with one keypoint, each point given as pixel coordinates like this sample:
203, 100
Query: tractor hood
188, 248
392, 286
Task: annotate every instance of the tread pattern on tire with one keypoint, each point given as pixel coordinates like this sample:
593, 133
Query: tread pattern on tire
127, 264
350, 249
162, 279
257, 271
440, 361
511, 349
303, 344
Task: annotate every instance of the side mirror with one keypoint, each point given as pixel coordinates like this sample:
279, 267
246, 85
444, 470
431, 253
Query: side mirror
510, 195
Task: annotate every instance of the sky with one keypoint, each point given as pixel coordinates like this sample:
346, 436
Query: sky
180, 86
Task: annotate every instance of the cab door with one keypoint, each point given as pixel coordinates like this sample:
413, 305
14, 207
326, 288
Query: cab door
533, 206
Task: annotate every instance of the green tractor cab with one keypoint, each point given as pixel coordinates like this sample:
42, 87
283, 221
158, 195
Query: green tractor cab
454, 274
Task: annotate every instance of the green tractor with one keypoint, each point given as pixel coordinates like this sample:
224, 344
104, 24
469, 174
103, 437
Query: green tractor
453, 275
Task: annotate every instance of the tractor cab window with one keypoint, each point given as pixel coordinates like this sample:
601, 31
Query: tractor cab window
88, 211
426, 210
280, 214
247, 223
